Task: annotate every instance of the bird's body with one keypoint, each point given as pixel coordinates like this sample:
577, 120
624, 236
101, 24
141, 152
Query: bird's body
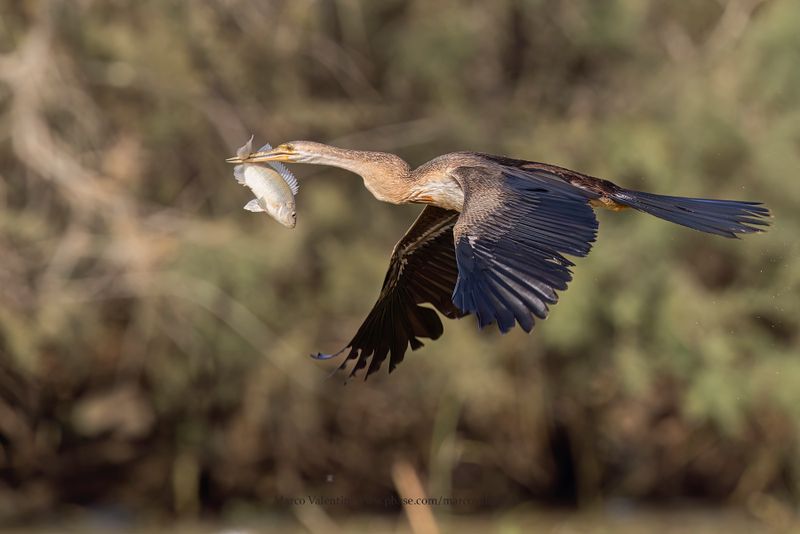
434, 184
492, 240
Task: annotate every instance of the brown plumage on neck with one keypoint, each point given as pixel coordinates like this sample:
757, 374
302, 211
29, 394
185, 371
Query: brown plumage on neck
387, 176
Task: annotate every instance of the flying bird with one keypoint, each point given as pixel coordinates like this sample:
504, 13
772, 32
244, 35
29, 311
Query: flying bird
491, 240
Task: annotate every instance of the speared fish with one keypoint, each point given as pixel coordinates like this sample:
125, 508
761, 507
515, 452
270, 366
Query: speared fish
273, 185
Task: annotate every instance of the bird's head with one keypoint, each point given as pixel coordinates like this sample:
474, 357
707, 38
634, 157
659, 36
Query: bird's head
292, 152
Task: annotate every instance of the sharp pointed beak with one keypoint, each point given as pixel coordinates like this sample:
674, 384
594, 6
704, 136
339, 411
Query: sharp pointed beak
275, 154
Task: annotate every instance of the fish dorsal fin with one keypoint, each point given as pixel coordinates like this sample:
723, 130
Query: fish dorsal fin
287, 175
283, 170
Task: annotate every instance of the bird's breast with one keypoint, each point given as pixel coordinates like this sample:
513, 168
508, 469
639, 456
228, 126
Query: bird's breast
445, 194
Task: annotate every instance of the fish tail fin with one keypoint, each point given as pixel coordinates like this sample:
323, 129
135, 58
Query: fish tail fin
246, 149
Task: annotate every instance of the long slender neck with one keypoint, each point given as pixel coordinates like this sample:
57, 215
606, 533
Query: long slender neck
385, 175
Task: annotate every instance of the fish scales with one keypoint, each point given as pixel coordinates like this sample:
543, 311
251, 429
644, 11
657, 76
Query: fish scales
273, 185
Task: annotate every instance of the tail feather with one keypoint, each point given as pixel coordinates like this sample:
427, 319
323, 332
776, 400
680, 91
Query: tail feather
722, 217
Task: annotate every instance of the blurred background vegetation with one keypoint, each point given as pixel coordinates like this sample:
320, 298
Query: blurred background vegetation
154, 336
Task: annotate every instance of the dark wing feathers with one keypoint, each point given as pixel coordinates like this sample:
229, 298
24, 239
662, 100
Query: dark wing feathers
510, 240
422, 269
721, 217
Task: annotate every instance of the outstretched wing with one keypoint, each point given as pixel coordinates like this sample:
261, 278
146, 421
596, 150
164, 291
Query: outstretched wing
510, 240
422, 269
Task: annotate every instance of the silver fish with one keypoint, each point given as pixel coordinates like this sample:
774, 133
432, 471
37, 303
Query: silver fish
273, 185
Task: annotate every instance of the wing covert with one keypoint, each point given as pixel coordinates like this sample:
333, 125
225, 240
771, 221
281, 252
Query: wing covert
510, 242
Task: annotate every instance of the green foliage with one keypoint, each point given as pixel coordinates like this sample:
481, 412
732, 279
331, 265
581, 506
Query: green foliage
670, 367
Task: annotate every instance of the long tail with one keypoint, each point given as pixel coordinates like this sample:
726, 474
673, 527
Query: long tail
722, 217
